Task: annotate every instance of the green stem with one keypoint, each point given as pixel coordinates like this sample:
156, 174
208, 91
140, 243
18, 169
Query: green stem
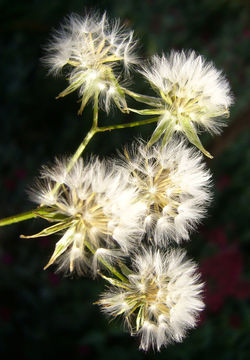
17, 218
95, 114
94, 129
88, 137
127, 125
105, 263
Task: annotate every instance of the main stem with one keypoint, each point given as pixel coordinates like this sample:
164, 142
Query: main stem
94, 129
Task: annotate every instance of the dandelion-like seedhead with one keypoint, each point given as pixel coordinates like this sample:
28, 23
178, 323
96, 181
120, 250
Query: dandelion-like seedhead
194, 94
175, 186
124, 215
91, 50
94, 208
161, 299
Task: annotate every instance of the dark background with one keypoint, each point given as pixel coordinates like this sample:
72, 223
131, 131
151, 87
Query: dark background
45, 316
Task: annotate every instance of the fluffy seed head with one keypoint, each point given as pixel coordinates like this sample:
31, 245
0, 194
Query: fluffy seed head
161, 299
173, 183
94, 208
91, 50
193, 92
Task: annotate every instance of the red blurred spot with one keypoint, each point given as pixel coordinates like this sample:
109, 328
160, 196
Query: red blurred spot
7, 259
217, 236
222, 274
5, 313
53, 279
223, 182
84, 350
9, 184
21, 173
235, 321
44, 242
246, 33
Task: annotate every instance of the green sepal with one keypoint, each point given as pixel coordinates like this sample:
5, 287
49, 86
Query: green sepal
192, 136
84, 100
50, 214
114, 281
124, 269
168, 134
149, 100
61, 246
140, 318
49, 230
148, 111
165, 127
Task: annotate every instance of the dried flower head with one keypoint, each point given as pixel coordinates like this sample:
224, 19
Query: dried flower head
95, 210
161, 299
175, 186
194, 95
91, 49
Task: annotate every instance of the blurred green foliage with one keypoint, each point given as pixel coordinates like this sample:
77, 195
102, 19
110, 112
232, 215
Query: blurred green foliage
45, 316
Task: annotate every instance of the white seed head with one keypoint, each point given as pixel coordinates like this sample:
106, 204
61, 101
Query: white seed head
173, 183
92, 49
98, 208
163, 298
191, 88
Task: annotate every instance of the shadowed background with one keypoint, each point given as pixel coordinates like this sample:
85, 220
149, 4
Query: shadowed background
45, 316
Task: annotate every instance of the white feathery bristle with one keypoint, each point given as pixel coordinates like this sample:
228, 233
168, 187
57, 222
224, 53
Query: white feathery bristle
97, 201
92, 47
201, 92
163, 297
173, 183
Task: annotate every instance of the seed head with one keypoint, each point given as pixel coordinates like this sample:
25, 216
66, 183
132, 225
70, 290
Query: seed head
92, 50
175, 186
194, 95
95, 210
161, 299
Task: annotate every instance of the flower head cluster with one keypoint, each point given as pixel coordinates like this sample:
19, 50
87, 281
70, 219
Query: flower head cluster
125, 215
194, 95
161, 299
175, 186
93, 207
90, 49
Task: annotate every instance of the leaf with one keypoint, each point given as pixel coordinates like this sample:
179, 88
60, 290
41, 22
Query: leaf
49, 230
61, 245
168, 134
148, 111
114, 281
50, 214
192, 136
149, 100
139, 318
164, 126
124, 269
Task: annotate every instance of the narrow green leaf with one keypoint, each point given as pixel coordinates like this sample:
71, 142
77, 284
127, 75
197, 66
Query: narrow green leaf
164, 126
148, 111
139, 318
168, 133
192, 136
61, 246
50, 230
149, 100
124, 269
114, 281
51, 215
